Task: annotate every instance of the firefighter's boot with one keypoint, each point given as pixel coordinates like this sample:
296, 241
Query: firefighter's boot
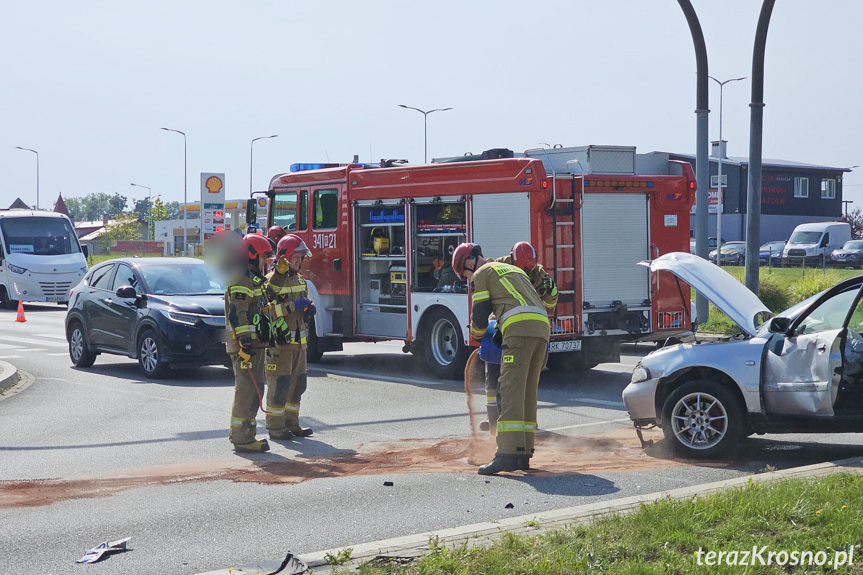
490, 424
301, 431
283, 435
504, 463
257, 446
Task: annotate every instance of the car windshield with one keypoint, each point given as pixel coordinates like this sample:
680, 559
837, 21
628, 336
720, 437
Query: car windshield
805, 238
179, 279
732, 247
772, 246
39, 236
791, 313
853, 245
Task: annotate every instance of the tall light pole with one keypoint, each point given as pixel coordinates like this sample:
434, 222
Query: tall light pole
719, 173
185, 190
425, 127
37, 172
251, 159
150, 204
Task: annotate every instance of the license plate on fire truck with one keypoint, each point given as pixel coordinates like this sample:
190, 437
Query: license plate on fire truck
556, 346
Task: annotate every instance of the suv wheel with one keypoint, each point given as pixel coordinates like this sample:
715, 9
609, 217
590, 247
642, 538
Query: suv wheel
79, 351
151, 357
702, 419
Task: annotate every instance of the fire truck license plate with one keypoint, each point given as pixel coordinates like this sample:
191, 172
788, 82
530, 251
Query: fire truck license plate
556, 346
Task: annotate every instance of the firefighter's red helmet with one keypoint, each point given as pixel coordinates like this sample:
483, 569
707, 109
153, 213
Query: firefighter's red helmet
461, 254
292, 244
257, 245
523, 256
276, 233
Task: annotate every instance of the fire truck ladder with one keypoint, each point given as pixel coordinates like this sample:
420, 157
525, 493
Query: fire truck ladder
563, 212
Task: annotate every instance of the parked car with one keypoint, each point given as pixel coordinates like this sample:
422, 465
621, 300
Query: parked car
851, 255
813, 243
771, 253
164, 312
799, 372
731, 253
711, 244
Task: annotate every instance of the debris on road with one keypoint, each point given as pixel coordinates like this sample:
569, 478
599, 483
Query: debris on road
509, 506
96, 553
295, 566
388, 483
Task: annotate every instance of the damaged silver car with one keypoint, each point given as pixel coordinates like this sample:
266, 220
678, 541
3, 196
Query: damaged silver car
798, 372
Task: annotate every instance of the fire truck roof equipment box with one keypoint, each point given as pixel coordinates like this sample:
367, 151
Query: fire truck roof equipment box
616, 160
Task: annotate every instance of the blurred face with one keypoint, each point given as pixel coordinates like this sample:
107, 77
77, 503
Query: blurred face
295, 261
263, 261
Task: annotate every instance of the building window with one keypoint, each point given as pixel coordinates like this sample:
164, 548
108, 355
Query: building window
801, 187
828, 189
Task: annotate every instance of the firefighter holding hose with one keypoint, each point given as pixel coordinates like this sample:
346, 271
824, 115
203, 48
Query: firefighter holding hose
249, 333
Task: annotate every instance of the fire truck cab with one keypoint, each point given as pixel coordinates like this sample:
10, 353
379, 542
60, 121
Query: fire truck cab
381, 237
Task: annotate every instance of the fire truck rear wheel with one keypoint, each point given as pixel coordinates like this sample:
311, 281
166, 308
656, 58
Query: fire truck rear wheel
444, 350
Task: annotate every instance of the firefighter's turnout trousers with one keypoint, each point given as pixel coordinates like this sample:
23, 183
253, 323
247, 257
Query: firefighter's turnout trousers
521, 363
286, 359
244, 302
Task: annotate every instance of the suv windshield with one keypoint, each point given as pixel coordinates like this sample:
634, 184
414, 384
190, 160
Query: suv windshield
853, 245
805, 238
39, 236
179, 279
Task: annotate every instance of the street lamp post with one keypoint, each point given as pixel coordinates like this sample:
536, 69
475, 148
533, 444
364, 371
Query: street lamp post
425, 127
719, 173
185, 190
37, 172
150, 205
251, 158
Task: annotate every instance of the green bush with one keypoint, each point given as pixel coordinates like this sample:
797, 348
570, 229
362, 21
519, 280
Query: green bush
812, 283
774, 296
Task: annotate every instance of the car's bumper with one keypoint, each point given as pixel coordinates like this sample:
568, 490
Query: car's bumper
640, 401
192, 345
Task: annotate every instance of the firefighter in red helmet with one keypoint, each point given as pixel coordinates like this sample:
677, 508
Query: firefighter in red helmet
506, 291
290, 309
523, 256
276, 233
249, 333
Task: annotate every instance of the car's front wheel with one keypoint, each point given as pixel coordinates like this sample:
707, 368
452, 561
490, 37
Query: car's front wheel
702, 419
79, 351
151, 355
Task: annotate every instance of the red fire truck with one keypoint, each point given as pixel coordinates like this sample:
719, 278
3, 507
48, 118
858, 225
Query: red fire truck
379, 232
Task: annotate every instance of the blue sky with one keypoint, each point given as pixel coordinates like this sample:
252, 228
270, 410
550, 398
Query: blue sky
89, 84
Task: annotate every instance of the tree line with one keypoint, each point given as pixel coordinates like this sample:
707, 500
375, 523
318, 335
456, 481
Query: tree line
93, 206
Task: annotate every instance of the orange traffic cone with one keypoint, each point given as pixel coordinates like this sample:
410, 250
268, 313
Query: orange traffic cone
20, 317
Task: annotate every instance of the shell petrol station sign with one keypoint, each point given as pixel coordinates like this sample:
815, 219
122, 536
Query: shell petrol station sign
212, 204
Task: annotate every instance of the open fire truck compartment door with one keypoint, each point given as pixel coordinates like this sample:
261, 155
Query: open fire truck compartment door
499, 221
615, 237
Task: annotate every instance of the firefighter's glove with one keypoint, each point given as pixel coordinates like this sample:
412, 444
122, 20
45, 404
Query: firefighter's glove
282, 265
302, 304
311, 310
547, 285
245, 352
437, 263
497, 338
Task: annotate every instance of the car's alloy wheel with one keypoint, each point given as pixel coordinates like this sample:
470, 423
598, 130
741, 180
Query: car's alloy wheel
150, 355
79, 351
702, 419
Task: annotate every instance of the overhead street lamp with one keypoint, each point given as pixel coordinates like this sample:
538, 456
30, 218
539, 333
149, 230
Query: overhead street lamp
150, 205
37, 172
719, 173
425, 126
185, 190
251, 158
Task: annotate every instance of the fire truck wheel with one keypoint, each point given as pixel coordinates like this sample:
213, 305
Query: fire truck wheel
444, 350
312, 353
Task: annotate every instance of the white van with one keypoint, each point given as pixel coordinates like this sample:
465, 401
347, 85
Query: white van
40, 257
813, 243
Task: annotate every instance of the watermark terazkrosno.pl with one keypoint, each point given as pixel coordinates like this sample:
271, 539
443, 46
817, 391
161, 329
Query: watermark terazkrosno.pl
762, 556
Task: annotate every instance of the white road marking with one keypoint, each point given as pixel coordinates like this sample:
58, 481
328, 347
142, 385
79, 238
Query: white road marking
378, 377
10, 356
9, 346
606, 422
18, 339
51, 335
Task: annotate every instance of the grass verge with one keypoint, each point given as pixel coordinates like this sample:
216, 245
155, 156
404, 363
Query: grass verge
804, 515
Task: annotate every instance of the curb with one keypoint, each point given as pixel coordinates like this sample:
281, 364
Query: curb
8, 378
478, 534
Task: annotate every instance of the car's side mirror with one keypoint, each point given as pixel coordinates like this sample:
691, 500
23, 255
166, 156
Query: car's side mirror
780, 325
251, 211
126, 292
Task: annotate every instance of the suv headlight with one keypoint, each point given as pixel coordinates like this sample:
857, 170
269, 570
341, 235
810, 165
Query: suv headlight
15, 269
640, 374
184, 318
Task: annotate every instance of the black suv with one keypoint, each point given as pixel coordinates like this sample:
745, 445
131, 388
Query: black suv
165, 312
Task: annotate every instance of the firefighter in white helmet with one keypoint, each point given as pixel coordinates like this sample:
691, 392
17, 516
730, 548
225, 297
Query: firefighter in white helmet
506, 291
290, 308
523, 256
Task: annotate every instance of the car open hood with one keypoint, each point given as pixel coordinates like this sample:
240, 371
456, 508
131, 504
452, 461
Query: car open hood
726, 293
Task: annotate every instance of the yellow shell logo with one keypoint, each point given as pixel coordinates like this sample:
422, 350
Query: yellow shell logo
262, 202
214, 184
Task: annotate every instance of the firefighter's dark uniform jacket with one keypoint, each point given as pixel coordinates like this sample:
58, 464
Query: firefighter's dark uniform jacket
507, 292
244, 313
286, 357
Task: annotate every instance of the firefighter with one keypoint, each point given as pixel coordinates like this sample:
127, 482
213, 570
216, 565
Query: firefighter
290, 308
523, 256
249, 335
522, 322
276, 233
